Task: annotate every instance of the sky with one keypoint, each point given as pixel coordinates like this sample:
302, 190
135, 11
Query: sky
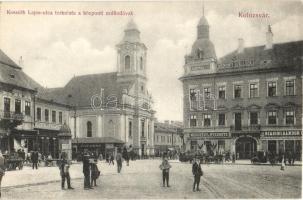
56, 48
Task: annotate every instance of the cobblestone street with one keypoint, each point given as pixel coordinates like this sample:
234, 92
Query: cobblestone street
142, 179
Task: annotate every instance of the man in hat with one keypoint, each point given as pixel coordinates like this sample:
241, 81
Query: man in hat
64, 172
165, 166
86, 171
197, 172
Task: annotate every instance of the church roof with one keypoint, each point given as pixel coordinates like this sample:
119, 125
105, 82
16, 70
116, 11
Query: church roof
80, 89
131, 25
12, 74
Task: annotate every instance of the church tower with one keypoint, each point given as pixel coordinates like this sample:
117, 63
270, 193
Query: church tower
131, 76
202, 59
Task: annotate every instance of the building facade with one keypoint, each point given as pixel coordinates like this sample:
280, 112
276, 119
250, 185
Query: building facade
167, 138
111, 109
249, 100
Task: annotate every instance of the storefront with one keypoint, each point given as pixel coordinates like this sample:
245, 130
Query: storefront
282, 142
103, 145
47, 142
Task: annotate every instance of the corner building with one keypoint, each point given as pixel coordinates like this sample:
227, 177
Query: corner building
249, 100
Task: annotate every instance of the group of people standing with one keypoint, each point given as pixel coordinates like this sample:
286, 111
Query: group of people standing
90, 171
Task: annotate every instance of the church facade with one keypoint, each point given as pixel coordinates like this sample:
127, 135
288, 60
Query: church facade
247, 101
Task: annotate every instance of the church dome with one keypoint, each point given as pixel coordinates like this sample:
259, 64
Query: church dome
205, 46
203, 21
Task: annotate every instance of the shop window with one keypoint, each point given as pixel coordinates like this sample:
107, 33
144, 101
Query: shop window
193, 121
272, 117
290, 117
17, 106
46, 115
253, 90
89, 129
221, 119
272, 89
207, 120
253, 118
222, 92
237, 91
193, 145
290, 87
27, 108
39, 114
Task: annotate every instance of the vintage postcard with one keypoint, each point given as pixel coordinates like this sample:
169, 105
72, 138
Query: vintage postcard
151, 99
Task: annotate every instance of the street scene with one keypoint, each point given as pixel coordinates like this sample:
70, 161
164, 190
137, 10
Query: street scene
241, 180
151, 100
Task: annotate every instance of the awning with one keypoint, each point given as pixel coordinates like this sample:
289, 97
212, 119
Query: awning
97, 140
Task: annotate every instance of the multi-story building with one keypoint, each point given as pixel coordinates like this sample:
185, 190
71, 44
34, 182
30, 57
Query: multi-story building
111, 109
166, 137
246, 101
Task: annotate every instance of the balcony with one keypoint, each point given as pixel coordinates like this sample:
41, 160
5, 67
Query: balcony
11, 115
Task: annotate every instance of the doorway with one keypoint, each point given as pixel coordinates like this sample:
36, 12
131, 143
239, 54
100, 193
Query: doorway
245, 147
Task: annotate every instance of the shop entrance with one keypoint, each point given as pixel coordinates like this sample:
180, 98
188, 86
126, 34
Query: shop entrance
272, 146
245, 147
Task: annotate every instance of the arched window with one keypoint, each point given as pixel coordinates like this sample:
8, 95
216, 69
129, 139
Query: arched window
89, 129
127, 63
141, 63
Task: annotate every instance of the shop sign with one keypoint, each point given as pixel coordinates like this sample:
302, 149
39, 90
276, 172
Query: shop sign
89, 145
212, 134
281, 133
109, 146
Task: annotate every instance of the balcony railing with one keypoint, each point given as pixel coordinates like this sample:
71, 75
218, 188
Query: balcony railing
251, 128
11, 115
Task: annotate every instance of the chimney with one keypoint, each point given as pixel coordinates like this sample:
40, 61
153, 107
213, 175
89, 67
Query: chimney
21, 62
269, 38
240, 45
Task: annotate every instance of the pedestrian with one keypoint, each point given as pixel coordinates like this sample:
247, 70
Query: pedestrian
165, 167
95, 173
233, 158
197, 172
35, 158
112, 158
283, 163
64, 173
125, 156
293, 157
2, 169
119, 160
86, 171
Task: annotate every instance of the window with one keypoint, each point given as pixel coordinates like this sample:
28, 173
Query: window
206, 93
7, 105
60, 118
193, 121
17, 106
27, 108
89, 129
130, 127
253, 118
290, 117
272, 89
238, 91
221, 119
222, 92
127, 63
46, 115
142, 128
39, 114
290, 87
141, 63
200, 54
253, 90
272, 117
207, 119
192, 94
54, 116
